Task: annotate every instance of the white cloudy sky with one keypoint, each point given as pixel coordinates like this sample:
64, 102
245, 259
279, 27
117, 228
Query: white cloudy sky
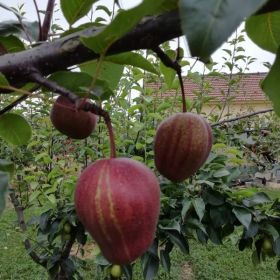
250, 48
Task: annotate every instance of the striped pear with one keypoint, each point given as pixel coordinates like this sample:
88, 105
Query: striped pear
182, 144
118, 202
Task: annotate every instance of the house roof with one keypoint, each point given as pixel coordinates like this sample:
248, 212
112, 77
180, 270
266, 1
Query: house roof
241, 87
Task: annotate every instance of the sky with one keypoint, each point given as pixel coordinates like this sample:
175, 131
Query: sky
250, 48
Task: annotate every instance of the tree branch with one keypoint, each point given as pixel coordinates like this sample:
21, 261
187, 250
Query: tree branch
47, 20
242, 117
14, 104
21, 222
68, 51
17, 101
39, 19
270, 6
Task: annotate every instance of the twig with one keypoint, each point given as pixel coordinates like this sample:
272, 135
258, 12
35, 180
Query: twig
242, 117
47, 20
39, 20
68, 246
21, 221
17, 101
14, 104
24, 28
168, 62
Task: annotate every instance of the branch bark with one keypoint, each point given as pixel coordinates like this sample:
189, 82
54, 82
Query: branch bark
68, 51
242, 117
21, 221
47, 20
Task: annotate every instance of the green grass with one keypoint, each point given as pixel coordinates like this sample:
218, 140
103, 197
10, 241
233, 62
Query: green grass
15, 264
272, 193
226, 262
14, 260
209, 262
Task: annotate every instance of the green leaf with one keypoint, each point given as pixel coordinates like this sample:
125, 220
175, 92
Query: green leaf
271, 230
13, 27
68, 267
264, 30
243, 215
4, 179
174, 226
278, 265
80, 82
213, 197
11, 44
258, 198
255, 258
199, 207
150, 266
103, 8
3, 80
133, 59
168, 73
252, 230
186, 206
7, 166
125, 21
220, 215
127, 270
195, 224
221, 173
15, 129
179, 240
108, 71
72, 80
276, 247
215, 235
271, 85
165, 260
75, 9
208, 23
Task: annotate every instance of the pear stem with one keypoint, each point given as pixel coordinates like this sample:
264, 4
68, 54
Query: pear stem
168, 62
179, 74
108, 122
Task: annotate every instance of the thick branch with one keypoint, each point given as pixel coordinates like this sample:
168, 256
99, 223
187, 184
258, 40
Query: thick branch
68, 51
270, 6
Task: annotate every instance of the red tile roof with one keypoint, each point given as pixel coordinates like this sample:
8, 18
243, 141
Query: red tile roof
241, 87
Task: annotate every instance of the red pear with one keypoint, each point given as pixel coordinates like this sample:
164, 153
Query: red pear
118, 202
70, 121
182, 144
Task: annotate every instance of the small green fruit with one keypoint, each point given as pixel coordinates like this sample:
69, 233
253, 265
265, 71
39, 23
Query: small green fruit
267, 245
116, 271
66, 237
67, 228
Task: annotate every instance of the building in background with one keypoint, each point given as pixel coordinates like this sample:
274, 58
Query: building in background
220, 93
